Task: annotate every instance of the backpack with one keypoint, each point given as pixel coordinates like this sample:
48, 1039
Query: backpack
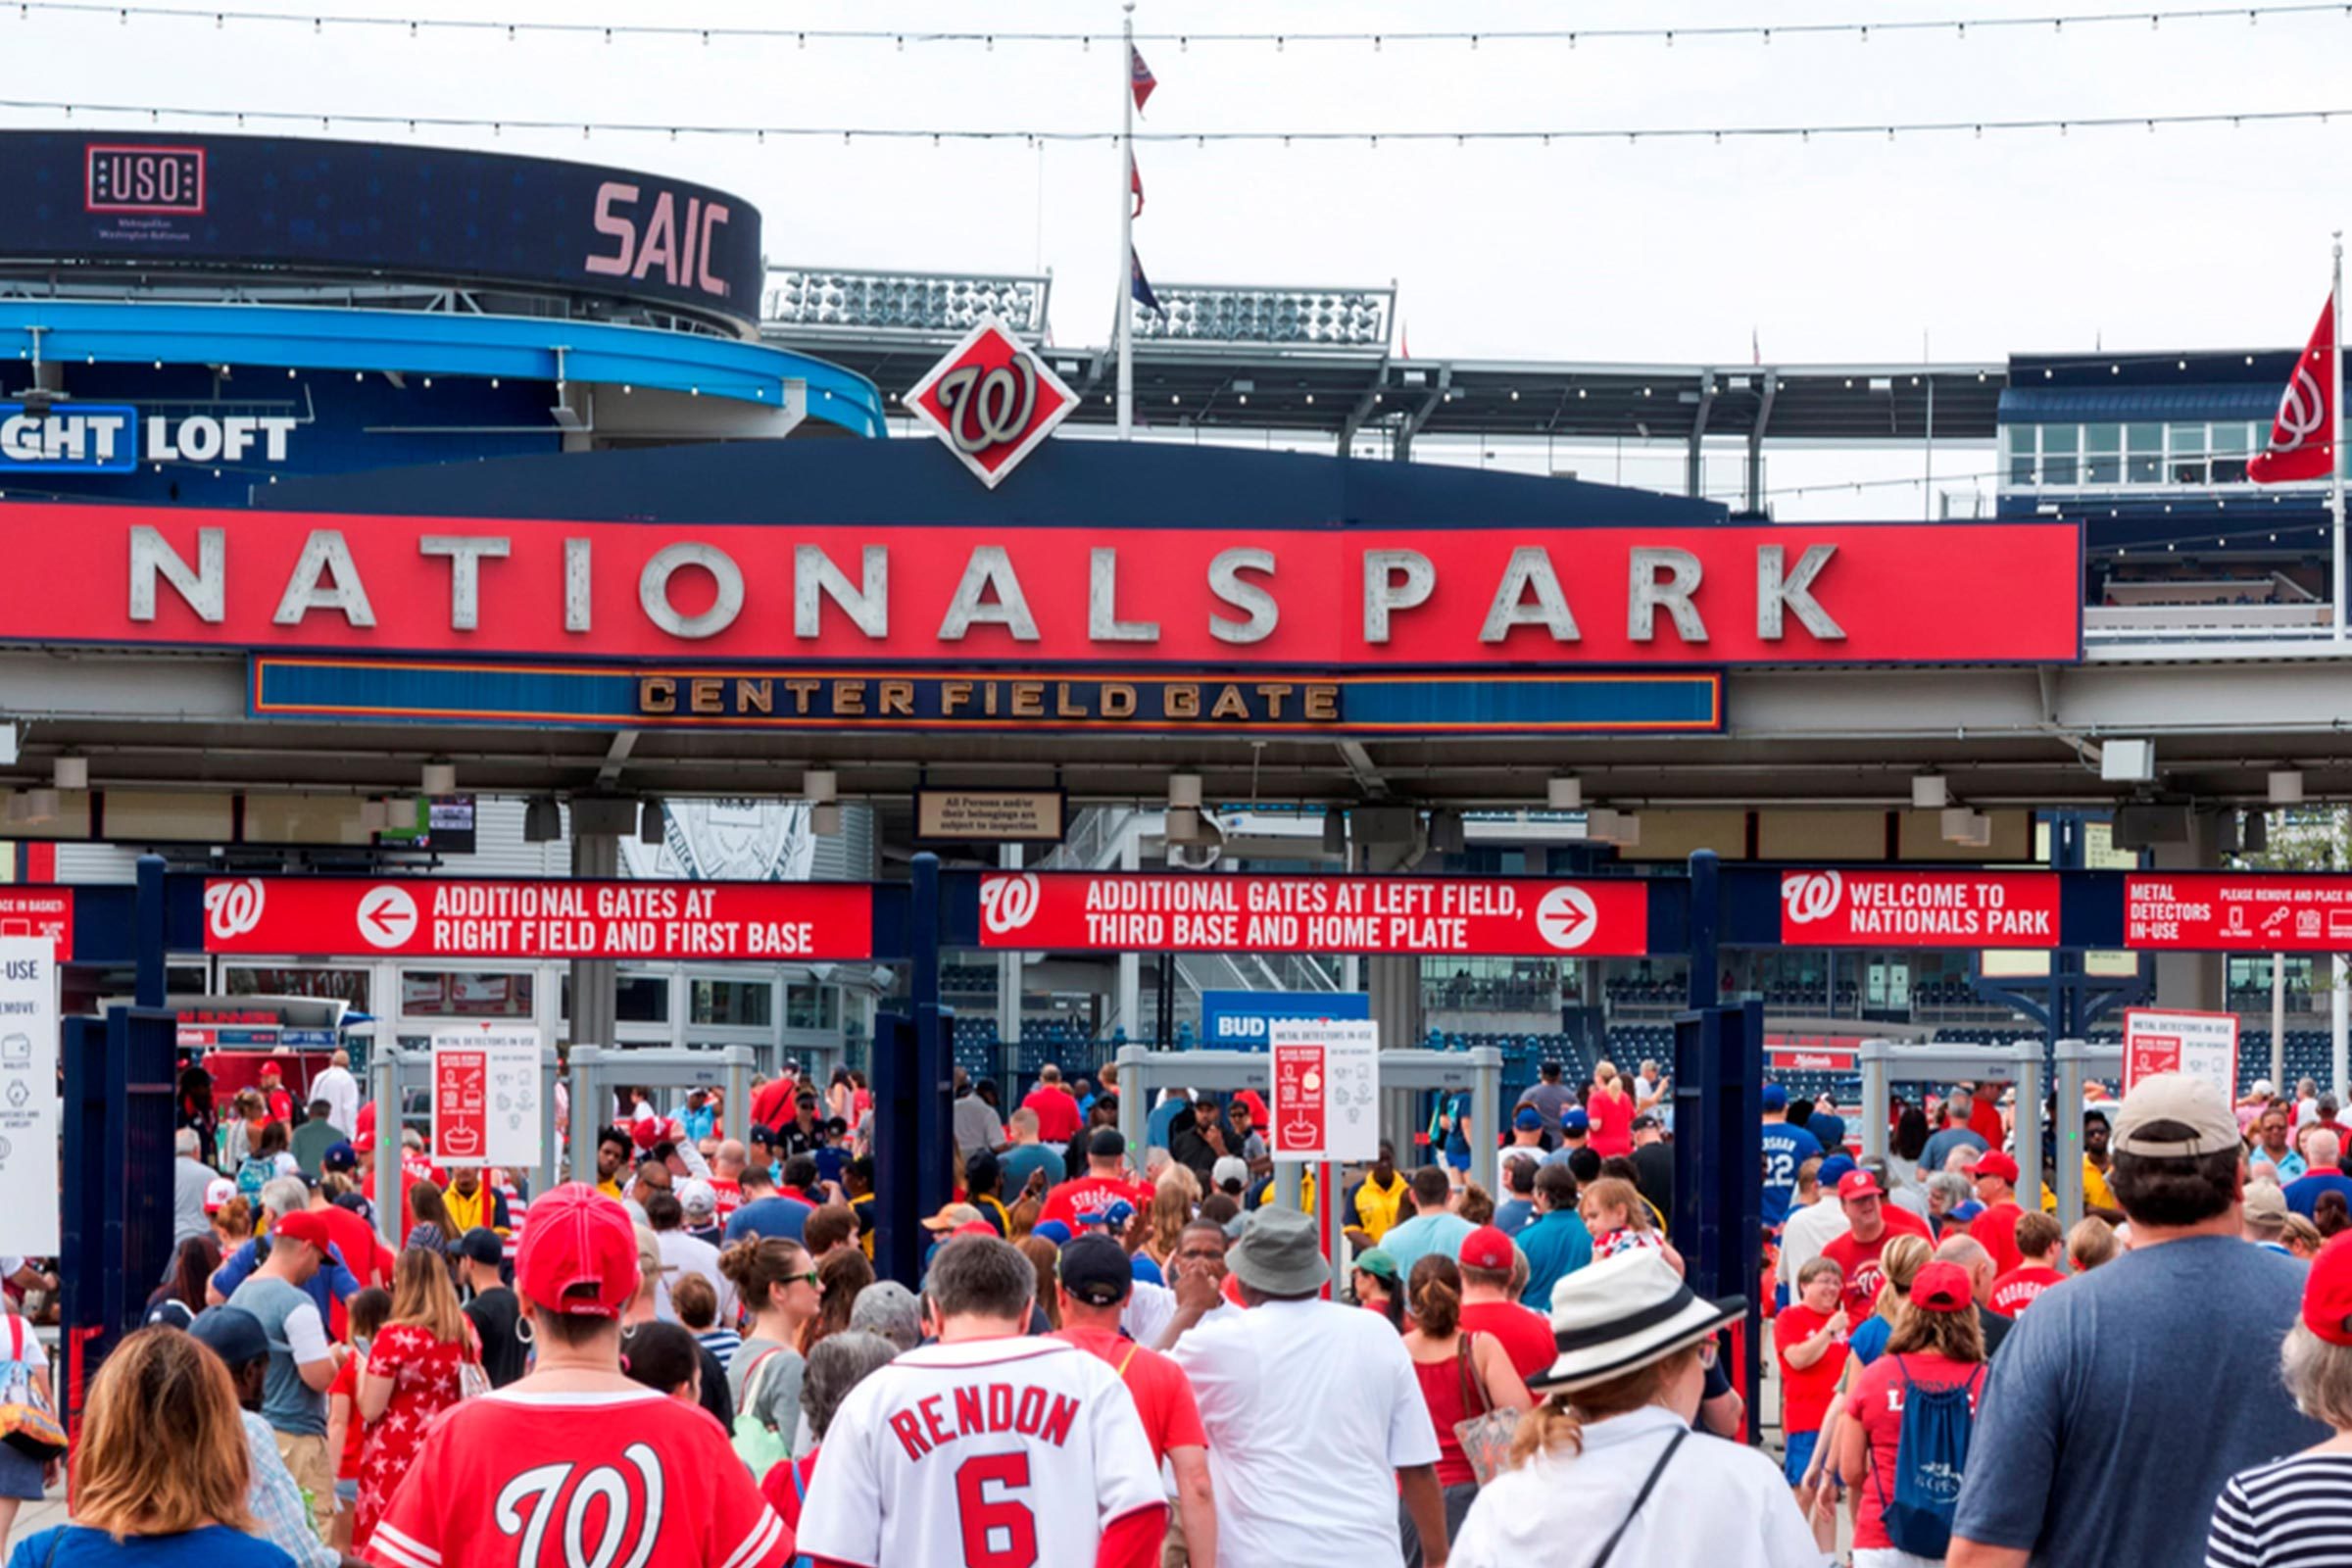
1930, 1455
252, 1173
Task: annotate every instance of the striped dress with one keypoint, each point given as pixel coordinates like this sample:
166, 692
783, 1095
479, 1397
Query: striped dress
2291, 1513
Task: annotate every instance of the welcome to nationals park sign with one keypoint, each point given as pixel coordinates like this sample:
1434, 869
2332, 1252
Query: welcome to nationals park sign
1877, 906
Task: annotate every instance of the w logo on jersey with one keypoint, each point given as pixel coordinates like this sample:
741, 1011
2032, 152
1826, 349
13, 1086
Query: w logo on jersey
552, 1505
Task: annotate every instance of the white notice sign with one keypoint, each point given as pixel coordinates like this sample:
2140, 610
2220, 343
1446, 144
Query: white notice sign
31, 1130
486, 1096
2203, 1045
1326, 1080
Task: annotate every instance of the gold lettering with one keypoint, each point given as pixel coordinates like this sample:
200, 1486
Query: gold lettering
988, 699
657, 693
1028, 699
1322, 703
1229, 704
801, 691
952, 695
1183, 701
1063, 705
849, 699
1119, 700
755, 696
898, 697
703, 696
1274, 692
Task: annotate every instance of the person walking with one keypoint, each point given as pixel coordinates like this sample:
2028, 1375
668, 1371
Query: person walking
1305, 1480
302, 1359
1558, 1244
2059, 1472
778, 1282
2297, 1510
1606, 1468
23, 1381
161, 1470
1434, 1227
1463, 1374
835, 1366
1929, 1381
416, 1370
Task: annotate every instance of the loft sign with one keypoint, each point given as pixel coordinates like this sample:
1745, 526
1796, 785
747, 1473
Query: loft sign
87, 438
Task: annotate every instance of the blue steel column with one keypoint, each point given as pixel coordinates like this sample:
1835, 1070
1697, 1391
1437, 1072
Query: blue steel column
933, 1079
149, 990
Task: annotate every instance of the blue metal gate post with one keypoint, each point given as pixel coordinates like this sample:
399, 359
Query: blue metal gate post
1706, 927
150, 985
933, 1084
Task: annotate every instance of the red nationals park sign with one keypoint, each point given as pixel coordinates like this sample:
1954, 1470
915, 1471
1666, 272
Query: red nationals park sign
2218, 912
1919, 908
1329, 598
1507, 916
426, 917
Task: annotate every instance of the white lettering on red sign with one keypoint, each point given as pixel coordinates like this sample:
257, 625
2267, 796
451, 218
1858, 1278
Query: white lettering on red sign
1920, 908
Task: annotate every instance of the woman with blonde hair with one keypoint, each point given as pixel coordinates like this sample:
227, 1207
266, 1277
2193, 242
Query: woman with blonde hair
1899, 1265
161, 1470
1937, 1349
2093, 1242
1170, 1212
416, 1370
1606, 1456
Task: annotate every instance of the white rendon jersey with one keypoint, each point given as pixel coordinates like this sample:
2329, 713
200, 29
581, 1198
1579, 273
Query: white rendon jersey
522, 1480
986, 1454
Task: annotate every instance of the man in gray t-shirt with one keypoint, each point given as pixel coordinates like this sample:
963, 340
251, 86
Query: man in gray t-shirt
191, 1179
2121, 1403
1550, 1097
302, 1360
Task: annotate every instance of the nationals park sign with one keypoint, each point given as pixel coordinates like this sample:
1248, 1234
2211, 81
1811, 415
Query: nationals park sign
677, 599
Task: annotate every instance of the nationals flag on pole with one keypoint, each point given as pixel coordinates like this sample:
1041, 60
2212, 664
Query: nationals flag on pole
2302, 436
1141, 81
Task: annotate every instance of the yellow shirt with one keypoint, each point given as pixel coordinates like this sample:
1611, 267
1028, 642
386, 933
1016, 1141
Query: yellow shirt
1306, 1192
611, 1189
1376, 1206
471, 1213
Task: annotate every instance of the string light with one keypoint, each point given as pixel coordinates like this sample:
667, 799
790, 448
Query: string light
1031, 137
1956, 28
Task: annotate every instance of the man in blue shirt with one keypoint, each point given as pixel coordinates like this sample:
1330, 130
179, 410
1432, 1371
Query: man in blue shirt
1517, 1212
1575, 1129
331, 1281
1557, 1243
1954, 1133
1786, 1148
2322, 1148
765, 1213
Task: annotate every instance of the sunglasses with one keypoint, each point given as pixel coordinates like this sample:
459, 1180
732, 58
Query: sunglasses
811, 1277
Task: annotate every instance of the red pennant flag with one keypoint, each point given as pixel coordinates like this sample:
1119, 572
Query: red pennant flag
1138, 76
1135, 183
2302, 443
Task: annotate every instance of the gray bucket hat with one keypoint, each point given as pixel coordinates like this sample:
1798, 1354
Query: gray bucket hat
1280, 1253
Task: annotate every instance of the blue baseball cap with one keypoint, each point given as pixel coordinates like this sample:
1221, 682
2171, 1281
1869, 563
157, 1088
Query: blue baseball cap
1575, 1120
340, 1156
1527, 1118
1834, 1167
1829, 1130
1051, 1229
1776, 1097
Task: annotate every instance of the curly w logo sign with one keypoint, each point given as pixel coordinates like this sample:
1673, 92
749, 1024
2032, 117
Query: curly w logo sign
991, 400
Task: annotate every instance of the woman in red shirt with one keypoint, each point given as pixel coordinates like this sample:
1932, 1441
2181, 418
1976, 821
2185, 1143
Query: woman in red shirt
1609, 1109
1937, 1345
1809, 1336
415, 1372
1463, 1376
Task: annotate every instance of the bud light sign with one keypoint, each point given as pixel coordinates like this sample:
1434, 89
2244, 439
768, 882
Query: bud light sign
1236, 1020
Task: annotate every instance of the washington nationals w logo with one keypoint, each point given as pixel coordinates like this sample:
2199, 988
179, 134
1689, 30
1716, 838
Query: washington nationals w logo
2302, 410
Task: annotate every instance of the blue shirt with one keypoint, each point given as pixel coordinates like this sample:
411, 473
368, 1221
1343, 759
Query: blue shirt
1557, 1245
1869, 1342
829, 1162
699, 1124
1941, 1145
1411, 1240
2060, 1461
1156, 1128
331, 1281
1021, 1160
1785, 1149
212, 1547
2303, 1192
1515, 1216
770, 1218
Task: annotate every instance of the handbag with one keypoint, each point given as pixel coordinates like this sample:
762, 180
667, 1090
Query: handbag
26, 1423
1485, 1437
760, 1447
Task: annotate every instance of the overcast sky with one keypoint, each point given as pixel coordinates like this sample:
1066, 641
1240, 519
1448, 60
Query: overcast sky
1837, 250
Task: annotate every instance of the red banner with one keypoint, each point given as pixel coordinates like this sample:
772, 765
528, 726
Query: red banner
1919, 908
437, 918
40, 912
1206, 913
460, 1104
2213, 911
1300, 1102
1298, 599
1811, 1053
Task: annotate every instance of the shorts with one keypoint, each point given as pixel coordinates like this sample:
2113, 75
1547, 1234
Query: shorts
313, 1471
1799, 1457
1460, 1161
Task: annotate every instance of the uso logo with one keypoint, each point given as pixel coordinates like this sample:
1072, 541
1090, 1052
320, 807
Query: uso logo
143, 179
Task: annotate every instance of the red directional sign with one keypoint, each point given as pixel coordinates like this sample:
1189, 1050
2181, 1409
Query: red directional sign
450, 918
2221, 911
1919, 908
40, 912
1194, 912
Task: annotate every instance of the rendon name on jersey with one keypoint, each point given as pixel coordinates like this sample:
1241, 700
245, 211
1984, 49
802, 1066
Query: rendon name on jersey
515, 1480
988, 1451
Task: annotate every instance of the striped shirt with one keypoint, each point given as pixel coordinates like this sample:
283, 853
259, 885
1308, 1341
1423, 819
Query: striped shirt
2291, 1513
721, 1342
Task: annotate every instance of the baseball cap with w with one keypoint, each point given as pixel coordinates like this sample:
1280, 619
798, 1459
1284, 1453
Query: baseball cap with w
578, 1254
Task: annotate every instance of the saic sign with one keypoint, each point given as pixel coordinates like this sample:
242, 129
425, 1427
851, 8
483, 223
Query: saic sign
111, 437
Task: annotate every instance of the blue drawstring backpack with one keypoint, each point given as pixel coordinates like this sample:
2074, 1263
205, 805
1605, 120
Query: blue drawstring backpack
1931, 1456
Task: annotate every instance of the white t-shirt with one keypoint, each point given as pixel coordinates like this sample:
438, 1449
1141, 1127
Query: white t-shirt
341, 1092
985, 1450
1149, 1308
1312, 1409
1805, 1233
682, 1254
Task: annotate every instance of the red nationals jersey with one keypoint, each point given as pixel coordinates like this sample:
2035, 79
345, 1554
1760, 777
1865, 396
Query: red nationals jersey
522, 1480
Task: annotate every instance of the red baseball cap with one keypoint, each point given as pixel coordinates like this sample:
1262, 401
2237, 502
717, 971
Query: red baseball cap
303, 1226
1942, 1288
2327, 1293
1487, 1248
1998, 1164
1859, 1184
974, 1227
577, 1237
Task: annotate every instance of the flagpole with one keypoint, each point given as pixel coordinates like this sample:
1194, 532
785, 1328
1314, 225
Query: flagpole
2335, 436
1126, 315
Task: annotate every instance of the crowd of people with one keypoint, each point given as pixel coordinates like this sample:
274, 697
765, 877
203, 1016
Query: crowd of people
1121, 1357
